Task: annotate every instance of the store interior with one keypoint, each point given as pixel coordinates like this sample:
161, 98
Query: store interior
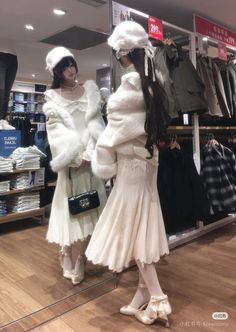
84, 29
35, 281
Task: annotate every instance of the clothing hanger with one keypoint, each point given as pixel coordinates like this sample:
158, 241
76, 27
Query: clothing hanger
211, 141
168, 41
231, 58
174, 144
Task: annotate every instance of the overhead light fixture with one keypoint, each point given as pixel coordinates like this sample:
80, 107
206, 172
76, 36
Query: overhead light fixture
93, 3
29, 27
205, 38
104, 65
59, 12
33, 75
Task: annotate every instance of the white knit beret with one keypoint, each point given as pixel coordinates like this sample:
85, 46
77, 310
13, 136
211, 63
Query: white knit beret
128, 35
55, 56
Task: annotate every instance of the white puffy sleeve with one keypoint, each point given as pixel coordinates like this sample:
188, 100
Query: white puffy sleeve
104, 160
63, 141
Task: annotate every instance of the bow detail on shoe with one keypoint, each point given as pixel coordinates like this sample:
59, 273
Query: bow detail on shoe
160, 306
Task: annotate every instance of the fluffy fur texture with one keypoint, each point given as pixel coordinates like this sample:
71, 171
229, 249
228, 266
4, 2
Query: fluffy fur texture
66, 143
126, 117
128, 35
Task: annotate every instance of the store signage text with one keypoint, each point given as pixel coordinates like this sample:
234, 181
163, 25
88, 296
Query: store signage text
152, 25
215, 31
155, 28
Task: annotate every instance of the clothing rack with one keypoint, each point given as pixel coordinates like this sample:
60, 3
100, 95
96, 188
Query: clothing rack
192, 132
195, 131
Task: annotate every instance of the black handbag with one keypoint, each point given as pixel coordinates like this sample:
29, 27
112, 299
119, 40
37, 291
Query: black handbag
83, 202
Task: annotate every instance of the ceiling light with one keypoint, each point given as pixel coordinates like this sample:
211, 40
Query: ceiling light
33, 75
104, 65
59, 11
29, 27
205, 38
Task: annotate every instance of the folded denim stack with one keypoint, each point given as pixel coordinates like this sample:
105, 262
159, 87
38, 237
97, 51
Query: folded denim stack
5, 186
4, 125
30, 108
27, 158
3, 208
23, 202
19, 97
6, 164
19, 108
30, 98
20, 181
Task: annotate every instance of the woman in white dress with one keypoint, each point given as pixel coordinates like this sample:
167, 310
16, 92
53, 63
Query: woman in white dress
74, 123
131, 225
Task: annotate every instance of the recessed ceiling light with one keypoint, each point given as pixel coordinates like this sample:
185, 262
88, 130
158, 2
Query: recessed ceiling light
29, 27
33, 75
205, 38
59, 11
104, 64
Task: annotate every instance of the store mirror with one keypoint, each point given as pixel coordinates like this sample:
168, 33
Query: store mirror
32, 288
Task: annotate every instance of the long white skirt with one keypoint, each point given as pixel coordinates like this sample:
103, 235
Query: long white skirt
131, 225
64, 228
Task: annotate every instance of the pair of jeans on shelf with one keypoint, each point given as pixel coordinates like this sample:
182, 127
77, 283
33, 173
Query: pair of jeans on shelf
8, 69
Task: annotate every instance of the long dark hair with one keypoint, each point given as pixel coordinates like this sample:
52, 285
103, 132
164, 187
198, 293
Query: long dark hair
157, 118
58, 79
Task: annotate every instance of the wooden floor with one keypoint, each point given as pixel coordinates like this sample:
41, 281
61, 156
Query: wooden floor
199, 278
31, 278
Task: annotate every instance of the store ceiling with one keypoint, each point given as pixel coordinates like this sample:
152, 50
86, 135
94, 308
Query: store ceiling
31, 52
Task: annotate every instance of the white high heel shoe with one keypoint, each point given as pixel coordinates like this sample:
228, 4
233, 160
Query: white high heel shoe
64, 252
129, 310
78, 273
158, 308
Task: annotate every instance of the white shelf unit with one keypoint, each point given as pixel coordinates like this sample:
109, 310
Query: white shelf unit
31, 100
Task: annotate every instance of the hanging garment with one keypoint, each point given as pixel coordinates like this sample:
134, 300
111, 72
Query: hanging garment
164, 53
218, 170
204, 66
8, 69
228, 73
182, 194
220, 91
188, 86
23, 124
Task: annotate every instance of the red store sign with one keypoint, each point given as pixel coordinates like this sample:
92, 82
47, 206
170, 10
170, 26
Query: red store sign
215, 31
155, 28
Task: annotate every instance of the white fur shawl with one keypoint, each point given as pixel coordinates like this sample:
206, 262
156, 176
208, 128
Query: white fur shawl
64, 137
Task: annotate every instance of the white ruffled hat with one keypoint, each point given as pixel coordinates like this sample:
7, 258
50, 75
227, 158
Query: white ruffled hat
55, 56
129, 35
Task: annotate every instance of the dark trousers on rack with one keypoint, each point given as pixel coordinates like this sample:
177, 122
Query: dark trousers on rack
8, 69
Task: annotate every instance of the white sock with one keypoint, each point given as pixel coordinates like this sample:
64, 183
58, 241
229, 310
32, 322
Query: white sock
142, 294
81, 259
67, 259
149, 274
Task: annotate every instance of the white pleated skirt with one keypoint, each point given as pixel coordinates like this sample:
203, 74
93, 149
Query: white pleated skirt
131, 225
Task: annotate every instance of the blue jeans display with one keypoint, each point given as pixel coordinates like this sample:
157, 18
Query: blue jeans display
8, 69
